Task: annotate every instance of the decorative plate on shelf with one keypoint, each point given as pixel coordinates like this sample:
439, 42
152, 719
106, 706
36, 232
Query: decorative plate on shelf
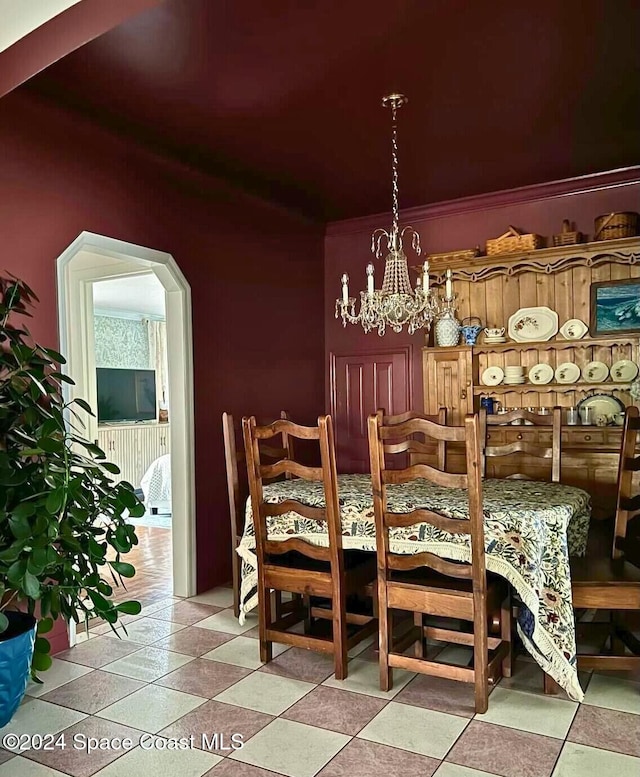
568, 372
541, 373
601, 404
624, 371
533, 325
595, 372
492, 376
574, 329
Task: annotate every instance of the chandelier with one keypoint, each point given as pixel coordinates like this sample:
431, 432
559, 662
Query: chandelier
396, 304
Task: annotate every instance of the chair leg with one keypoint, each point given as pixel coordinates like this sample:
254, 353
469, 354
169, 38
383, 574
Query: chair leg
384, 636
235, 571
277, 604
340, 657
307, 613
265, 620
419, 644
506, 632
617, 645
480, 659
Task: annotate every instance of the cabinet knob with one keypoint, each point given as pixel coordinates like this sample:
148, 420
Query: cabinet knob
463, 394
587, 437
519, 436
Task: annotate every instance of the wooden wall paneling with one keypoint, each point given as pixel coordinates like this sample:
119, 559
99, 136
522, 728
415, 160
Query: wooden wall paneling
563, 295
581, 281
464, 290
493, 290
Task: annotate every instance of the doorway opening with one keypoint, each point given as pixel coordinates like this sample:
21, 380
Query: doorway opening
100, 268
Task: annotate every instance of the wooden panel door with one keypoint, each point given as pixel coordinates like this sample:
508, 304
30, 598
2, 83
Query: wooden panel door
448, 382
360, 384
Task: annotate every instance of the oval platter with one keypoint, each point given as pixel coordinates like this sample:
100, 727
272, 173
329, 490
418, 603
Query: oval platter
533, 325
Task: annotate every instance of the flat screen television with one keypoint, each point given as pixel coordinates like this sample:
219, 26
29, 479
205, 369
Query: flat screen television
126, 394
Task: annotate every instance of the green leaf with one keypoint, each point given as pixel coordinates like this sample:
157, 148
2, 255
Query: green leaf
124, 569
57, 357
42, 645
31, 585
20, 527
24, 510
99, 602
16, 571
129, 608
54, 502
45, 625
41, 662
50, 444
84, 405
4, 622
110, 467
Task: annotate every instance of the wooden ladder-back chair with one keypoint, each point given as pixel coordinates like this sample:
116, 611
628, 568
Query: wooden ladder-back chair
238, 487
418, 449
446, 589
297, 566
608, 577
552, 452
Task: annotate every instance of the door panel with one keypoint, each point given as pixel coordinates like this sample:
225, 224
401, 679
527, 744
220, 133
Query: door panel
360, 384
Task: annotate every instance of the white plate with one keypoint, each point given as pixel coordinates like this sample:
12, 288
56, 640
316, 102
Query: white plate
574, 329
595, 372
624, 371
541, 373
567, 372
533, 325
601, 404
492, 376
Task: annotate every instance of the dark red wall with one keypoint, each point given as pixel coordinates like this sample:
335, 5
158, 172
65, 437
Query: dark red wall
255, 273
456, 225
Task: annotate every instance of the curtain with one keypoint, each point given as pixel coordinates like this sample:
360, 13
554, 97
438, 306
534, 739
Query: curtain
157, 331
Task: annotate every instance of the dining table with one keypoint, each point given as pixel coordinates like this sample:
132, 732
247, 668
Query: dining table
530, 530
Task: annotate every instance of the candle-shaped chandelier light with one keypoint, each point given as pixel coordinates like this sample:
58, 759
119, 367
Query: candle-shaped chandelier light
396, 304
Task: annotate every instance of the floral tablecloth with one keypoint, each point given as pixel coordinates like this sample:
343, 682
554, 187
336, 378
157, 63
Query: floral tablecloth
531, 528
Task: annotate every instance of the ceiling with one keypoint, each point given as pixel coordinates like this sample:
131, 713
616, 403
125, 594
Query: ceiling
131, 297
283, 97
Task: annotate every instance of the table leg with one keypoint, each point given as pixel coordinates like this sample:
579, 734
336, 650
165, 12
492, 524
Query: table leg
551, 687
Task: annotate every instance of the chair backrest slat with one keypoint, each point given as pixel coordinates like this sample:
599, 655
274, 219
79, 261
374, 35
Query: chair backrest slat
471, 481
418, 450
627, 502
552, 452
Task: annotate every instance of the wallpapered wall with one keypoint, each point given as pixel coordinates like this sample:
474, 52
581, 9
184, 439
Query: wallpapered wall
122, 342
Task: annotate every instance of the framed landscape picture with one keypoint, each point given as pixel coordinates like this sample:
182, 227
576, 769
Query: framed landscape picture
615, 307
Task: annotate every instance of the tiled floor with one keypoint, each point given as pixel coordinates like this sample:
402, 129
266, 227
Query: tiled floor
187, 669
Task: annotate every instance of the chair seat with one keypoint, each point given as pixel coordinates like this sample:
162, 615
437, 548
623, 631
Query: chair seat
428, 578
353, 559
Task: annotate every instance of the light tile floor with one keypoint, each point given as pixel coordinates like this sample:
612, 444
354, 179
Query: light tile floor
168, 699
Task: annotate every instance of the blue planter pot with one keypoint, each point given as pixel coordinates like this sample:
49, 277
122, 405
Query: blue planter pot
16, 652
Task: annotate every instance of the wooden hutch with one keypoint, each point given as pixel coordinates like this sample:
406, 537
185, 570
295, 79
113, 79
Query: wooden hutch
493, 288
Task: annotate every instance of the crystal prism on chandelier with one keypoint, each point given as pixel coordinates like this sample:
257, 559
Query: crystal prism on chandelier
396, 304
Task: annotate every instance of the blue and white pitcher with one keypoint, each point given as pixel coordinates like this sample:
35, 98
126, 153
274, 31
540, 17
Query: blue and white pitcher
471, 328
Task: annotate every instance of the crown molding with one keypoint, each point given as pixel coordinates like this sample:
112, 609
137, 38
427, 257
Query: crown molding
568, 187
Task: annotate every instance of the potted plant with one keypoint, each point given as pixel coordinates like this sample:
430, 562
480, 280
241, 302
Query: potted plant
62, 517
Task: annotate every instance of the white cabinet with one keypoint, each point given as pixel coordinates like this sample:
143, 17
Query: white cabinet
134, 448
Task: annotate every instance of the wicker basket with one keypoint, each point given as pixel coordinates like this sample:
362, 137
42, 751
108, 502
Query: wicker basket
615, 225
568, 236
512, 241
463, 255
